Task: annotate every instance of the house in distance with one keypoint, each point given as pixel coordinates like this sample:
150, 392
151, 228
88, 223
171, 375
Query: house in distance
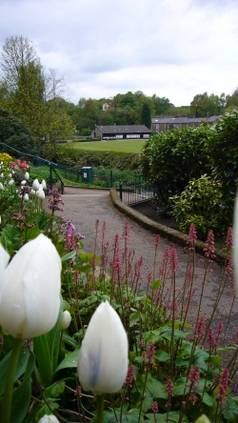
120, 132
160, 124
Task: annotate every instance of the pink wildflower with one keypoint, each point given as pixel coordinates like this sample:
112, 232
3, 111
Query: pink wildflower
200, 328
149, 353
209, 248
192, 237
155, 407
169, 386
223, 385
130, 376
194, 376
229, 240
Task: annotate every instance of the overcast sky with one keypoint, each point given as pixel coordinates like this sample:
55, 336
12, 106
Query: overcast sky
173, 48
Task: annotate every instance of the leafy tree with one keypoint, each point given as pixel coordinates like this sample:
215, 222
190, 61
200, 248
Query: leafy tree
146, 115
207, 105
14, 133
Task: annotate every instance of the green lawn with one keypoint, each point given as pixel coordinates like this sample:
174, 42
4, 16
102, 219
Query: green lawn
127, 146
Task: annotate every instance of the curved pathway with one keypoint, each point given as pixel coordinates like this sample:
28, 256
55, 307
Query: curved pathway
85, 206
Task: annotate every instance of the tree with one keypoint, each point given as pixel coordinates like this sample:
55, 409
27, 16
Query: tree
17, 53
146, 115
207, 105
14, 133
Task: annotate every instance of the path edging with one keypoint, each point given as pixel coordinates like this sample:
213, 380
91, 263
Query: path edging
172, 234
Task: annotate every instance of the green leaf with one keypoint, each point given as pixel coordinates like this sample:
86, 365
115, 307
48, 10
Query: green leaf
21, 367
208, 400
70, 360
163, 356
155, 284
130, 416
55, 390
69, 256
170, 417
156, 388
230, 412
21, 401
179, 386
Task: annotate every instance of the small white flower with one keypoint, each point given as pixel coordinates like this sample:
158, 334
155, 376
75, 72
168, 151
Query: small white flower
11, 182
33, 192
2, 175
65, 320
43, 183
27, 176
23, 182
1, 186
48, 419
10, 175
26, 197
35, 184
40, 194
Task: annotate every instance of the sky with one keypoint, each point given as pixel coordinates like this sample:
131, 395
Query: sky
171, 48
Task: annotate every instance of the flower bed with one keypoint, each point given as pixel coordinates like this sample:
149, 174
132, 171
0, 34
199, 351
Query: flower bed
90, 343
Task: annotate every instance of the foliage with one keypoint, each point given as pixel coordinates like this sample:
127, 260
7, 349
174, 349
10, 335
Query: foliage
78, 157
224, 153
146, 115
199, 203
207, 105
5, 158
14, 133
171, 159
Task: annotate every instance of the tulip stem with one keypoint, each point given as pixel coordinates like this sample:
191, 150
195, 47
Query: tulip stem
11, 372
100, 408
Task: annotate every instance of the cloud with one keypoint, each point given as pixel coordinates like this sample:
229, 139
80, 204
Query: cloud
176, 49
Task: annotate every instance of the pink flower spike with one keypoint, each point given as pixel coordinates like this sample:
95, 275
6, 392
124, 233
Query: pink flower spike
209, 249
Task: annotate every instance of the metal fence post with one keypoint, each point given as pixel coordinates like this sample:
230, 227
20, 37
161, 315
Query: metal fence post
120, 191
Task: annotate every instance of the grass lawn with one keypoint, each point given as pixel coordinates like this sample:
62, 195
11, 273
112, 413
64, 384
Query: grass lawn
127, 146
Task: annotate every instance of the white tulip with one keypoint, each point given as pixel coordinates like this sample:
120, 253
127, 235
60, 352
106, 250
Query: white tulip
103, 359
11, 182
23, 182
43, 183
49, 419
35, 184
33, 192
26, 197
2, 175
40, 194
30, 289
1, 186
65, 320
27, 176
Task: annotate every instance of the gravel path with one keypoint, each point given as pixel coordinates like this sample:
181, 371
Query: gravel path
84, 207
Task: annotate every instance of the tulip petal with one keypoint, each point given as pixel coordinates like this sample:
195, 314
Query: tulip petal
31, 290
103, 360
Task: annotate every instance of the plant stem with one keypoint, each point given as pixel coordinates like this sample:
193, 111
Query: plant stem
11, 372
100, 408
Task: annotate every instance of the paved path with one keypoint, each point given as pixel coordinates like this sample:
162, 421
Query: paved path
84, 207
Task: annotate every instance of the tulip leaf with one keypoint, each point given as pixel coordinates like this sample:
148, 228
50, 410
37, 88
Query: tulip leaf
55, 390
21, 367
22, 394
70, 361
69, 256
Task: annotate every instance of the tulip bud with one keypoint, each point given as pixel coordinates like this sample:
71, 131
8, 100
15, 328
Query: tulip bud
27, 176
103, 359
40, 194
43, 183
35, 184
30, 285
23, 182
11, 182
49, 419
26, 197
203, 419
65, 320
33, 192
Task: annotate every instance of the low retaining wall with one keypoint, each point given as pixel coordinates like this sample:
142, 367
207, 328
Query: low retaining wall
172, 234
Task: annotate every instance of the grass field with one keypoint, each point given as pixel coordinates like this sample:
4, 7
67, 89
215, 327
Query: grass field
127, 146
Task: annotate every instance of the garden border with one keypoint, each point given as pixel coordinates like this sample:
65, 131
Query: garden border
169, 233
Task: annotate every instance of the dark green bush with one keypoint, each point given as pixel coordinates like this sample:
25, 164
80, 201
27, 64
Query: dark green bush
224, 155
74, 158
201, 203
171, 159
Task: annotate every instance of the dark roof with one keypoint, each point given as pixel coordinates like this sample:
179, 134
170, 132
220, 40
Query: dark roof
181, 120
123, 129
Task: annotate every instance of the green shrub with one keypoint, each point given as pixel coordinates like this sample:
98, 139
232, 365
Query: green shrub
77, 159
201, 203
170, 159
224, 154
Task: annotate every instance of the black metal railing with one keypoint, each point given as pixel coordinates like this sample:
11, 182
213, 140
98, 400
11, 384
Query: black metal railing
137, 192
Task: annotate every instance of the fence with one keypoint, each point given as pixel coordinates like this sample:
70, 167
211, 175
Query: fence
137, 192
66, 176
